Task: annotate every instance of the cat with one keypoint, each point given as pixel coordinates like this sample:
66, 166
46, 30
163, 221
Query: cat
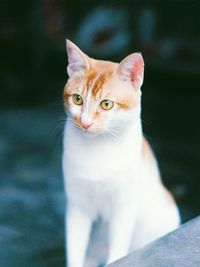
109, 168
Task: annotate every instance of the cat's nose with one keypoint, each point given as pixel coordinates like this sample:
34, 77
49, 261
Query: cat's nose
86, 125
86, 121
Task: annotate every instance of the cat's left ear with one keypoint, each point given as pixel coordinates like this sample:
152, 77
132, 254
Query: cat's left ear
132, 68
77, 60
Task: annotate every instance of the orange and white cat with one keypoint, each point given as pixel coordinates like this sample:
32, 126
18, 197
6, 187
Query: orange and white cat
109, 168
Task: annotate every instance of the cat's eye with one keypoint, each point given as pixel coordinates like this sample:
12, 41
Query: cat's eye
107, 104
77, 99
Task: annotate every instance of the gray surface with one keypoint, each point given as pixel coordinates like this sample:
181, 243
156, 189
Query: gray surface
180, 248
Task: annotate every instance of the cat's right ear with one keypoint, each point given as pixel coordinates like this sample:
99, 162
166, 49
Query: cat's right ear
77, 60
132, 69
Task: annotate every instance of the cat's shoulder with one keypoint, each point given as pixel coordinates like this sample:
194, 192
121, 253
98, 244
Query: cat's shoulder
147, 151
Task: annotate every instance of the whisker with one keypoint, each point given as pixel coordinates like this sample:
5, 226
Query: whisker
59, 131
144, 122
114, 135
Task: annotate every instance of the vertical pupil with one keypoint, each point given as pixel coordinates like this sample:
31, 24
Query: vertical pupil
107, 103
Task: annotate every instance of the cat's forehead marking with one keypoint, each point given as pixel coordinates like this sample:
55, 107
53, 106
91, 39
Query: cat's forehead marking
96, 80
90, 78
100, 82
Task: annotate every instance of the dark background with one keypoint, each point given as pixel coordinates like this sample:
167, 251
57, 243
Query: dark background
32, 76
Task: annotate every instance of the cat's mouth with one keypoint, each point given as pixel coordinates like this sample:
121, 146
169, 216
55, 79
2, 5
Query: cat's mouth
92, 130
89, 129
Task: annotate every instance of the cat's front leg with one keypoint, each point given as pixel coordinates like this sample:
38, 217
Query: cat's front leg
121, 226
78, 226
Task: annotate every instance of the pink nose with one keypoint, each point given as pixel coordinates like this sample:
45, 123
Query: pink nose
86, 125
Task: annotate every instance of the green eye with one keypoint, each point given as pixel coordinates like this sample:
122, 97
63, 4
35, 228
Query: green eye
77, 99
107, 104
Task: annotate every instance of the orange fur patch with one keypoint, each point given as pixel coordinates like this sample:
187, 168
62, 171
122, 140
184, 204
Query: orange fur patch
77, 121
148, 154
90, 77
127, 100
124, 105
102, 79
169, 197
97, 115
147, 151
66, 95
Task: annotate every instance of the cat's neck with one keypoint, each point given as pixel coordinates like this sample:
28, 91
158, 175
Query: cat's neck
104, 152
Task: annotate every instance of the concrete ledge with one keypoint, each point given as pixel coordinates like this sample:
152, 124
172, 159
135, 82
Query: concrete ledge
180, 248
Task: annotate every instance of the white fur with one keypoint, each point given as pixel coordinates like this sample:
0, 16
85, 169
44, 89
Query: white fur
85, 117
108, 177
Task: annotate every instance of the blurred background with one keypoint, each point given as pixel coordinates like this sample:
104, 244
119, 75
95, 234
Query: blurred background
32, 76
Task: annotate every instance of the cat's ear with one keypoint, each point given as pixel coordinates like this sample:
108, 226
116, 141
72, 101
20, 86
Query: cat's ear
132, 68
77, 60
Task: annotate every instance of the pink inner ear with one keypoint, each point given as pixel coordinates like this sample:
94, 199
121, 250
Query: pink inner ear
72, 58
77, 60
132, 68
138, 68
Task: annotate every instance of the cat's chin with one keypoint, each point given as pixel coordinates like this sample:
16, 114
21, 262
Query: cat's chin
91, 132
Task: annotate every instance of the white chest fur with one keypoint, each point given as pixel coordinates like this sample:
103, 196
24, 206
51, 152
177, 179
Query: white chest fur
99, 158
106, 178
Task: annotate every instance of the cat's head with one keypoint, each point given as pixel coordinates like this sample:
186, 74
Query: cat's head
101, 96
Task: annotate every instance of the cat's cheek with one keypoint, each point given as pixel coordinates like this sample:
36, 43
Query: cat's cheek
97, 130
75, 110
101, 118
103, 126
